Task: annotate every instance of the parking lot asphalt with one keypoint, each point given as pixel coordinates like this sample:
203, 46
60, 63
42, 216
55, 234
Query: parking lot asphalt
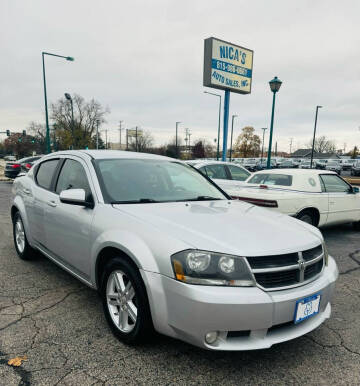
58, 324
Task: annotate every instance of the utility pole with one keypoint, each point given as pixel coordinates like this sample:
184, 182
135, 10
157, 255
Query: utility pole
276, 149
189, 142
127, 140
291, 140
176, 139
187, 138
120, 122
106, 141
97, 134
136, 140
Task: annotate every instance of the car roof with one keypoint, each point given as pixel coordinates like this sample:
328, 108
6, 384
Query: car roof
112, 154
204, 163
305, 172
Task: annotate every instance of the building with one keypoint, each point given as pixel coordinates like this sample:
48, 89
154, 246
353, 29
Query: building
306, 153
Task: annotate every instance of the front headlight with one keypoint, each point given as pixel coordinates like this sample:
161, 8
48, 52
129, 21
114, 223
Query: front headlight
208, 268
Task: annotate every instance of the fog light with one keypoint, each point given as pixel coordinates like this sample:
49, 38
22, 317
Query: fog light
211, 337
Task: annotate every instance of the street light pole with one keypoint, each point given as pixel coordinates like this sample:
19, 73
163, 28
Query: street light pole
218, 137
69, 58
313, 144
262, 149
232, 129
176, 139
274, 86
68, 97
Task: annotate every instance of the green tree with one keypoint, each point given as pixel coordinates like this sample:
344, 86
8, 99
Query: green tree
20, 145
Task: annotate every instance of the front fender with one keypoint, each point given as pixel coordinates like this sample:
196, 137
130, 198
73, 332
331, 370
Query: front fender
127, 242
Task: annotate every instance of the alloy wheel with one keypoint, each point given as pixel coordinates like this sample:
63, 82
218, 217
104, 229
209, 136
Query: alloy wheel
121, 301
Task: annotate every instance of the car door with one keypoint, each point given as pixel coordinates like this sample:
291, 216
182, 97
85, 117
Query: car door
68, 227
344, 205
38, 194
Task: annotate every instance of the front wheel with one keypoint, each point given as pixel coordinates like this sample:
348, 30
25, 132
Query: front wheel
125, 302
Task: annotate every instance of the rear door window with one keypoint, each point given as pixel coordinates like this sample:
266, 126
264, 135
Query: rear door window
238, 174
271, 179
216, 171
45, 173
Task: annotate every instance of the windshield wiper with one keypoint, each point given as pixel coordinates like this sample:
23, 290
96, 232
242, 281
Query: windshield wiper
139, 201
201, 198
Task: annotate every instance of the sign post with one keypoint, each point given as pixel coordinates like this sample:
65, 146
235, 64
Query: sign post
227, 67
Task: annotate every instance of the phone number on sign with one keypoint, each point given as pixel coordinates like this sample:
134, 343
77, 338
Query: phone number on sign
230, 68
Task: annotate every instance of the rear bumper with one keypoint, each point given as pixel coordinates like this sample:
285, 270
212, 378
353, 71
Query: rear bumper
255, 318
11, 173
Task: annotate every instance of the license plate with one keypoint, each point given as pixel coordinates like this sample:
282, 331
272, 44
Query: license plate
306, 308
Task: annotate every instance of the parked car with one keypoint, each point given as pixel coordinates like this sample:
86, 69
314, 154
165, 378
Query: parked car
347, 164
263, 165
288, 164
321, 163
307, 165
355, 170
12, 169
224, 174
250, 164
314, 196
26, 166
10, 158
333, 166
167, 249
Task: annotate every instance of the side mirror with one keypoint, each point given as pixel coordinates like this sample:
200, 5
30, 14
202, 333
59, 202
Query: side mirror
75, 197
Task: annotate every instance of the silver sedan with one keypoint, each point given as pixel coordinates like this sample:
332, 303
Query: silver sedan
169, 250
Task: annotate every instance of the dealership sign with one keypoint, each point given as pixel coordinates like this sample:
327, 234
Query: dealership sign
227, 66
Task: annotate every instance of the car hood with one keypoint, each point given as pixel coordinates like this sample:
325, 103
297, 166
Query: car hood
232, 227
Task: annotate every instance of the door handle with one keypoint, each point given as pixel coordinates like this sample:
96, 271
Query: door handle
26, 191
52, 203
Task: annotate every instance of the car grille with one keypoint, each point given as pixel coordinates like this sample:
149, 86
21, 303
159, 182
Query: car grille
287, 270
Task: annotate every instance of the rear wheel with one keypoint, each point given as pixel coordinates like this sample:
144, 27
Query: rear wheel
125, 302
307, 216
22, 246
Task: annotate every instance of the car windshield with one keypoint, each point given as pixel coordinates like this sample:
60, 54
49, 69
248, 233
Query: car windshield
127, 181
332, 163
271, 179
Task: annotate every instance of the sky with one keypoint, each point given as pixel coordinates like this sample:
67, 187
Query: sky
144, 61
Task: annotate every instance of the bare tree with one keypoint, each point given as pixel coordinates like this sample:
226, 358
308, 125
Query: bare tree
77, 133
322, 145
143, 143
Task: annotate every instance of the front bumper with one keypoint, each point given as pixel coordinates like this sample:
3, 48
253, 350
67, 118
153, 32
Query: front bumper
255, 319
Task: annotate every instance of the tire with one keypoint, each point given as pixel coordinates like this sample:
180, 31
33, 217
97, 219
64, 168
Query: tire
128, 315
307, 216
356, 225
22, 247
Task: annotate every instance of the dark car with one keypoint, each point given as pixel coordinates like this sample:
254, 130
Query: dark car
250, 165
12, 169
355, 170
263, 165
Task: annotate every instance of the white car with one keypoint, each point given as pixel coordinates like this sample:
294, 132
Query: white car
317, 197
227, 175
